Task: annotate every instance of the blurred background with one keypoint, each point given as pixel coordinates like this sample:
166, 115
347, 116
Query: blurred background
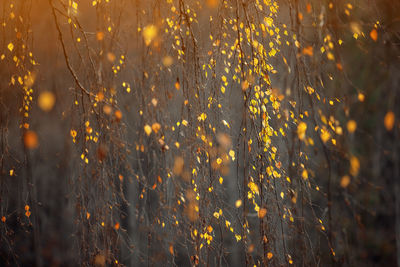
215, 132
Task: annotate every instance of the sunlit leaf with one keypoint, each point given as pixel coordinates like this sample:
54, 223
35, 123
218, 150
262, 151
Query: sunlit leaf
149, 33
147, 129
351, 126
301, 130
354, 166
262, 212
118, 115
156, 127
238, 203
389, 120
10, 46
374, 35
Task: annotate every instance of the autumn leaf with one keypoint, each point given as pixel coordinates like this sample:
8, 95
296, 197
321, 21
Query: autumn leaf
351, 126
301, 130
10, 47
156, 127
354, 166
389, 120
262, 212
308, 51
374, 34
149, 33
147, 129
118, 115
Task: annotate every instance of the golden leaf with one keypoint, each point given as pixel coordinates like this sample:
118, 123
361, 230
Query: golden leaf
118, 115
389, 120
262, 212
149, 33
374, 35
238, 203
156, 127
301, 130
10, 46
308, 51
147, 129
354, 166
351, 126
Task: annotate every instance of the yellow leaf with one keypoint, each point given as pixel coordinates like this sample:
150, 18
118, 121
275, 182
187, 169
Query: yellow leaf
10, 46
330, 56
202, 117
351, 126
269, 255
304, 174
149, 33
325, 135
354, 166
238, 238
223, 89
253, 187
232, 154
301, 130
147, 129
361, 97
238, 203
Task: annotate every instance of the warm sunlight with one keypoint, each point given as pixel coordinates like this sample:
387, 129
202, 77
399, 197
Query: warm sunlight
199, 133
